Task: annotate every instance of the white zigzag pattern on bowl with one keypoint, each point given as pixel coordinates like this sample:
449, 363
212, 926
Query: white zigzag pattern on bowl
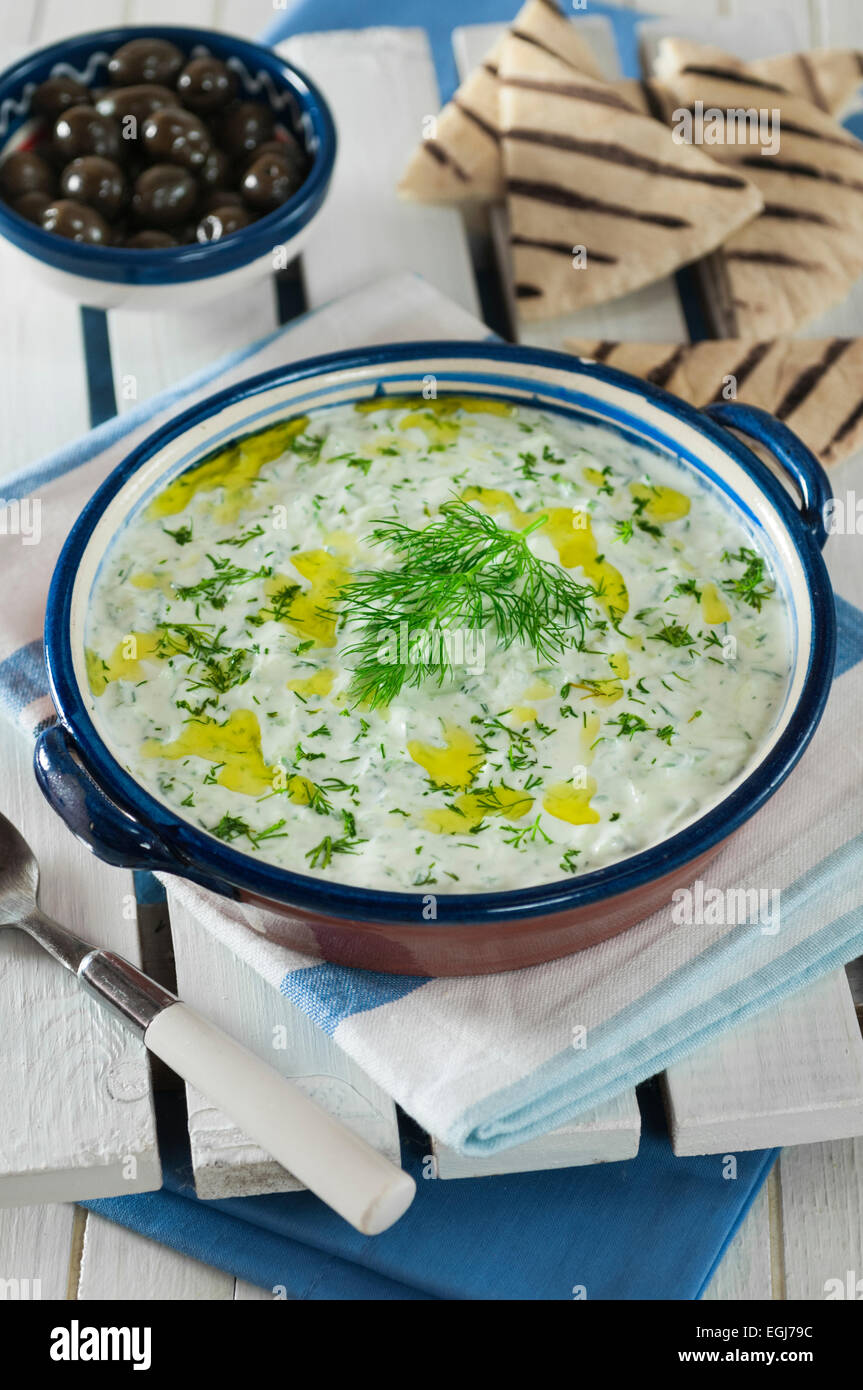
253, 82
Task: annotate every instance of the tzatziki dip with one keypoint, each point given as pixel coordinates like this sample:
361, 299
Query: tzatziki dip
452, 642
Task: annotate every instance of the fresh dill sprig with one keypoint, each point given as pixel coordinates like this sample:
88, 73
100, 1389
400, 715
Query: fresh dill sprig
463, 571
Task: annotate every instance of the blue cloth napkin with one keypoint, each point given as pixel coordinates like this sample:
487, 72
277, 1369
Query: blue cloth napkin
654, 1227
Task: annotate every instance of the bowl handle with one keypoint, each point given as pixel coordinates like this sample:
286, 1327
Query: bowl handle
792, 455
110, 832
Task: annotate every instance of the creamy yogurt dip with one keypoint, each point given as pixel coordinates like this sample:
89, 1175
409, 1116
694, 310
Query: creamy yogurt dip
452, 643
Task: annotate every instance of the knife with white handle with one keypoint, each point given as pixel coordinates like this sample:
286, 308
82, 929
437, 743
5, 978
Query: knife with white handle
341, 1168
336, 1164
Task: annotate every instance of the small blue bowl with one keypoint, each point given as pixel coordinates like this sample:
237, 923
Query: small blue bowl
125, 823
181, 277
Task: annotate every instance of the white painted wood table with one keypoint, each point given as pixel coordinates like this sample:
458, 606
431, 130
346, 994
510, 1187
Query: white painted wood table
85, 1126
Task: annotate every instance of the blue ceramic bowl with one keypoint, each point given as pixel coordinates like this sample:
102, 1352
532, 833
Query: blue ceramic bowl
126, 824
184, 276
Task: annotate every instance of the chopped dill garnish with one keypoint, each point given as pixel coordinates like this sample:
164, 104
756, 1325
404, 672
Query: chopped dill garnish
230, 828
250, 535
521, 838
213, 589
182, 535
527, 467
630, 724
687, 586
321, 856
307, 447
750, 586
674, 634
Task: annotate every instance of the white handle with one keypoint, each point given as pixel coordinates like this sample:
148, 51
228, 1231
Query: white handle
341, 1168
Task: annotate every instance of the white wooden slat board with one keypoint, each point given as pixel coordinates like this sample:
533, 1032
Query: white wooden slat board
225, 1162
121, 1266
380, 83
152, 352
837, 23
20, 25
195, 12
35, 1249
43, 409
250, 1293
58, 18
821, 1214
75, 1083
790, 1076
745, 1272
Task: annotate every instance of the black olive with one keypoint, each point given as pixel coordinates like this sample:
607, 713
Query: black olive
268, 182
187, 235
26, 172
215, 170
138, 102
95, 181
205, 85
56, 94
164, 195
83, 130
31, 206
77, 222
244, 126
220, 198
145, 60
288, 147
221, 222
176, 136
150, 239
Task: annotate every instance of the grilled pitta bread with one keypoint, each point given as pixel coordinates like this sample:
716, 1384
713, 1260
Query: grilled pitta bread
583, 168
828, 77
805, 250
812, 384
461, 161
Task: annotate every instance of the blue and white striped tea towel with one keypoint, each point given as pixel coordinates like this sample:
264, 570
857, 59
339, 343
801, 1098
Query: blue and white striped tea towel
489, 1062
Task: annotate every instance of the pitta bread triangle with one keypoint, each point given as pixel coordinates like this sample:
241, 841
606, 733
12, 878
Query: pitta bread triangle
805, 250
813, 384
460, 161
826, 77
585, 169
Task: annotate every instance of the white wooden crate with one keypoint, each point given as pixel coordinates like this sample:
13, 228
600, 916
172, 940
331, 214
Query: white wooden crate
706, 1107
